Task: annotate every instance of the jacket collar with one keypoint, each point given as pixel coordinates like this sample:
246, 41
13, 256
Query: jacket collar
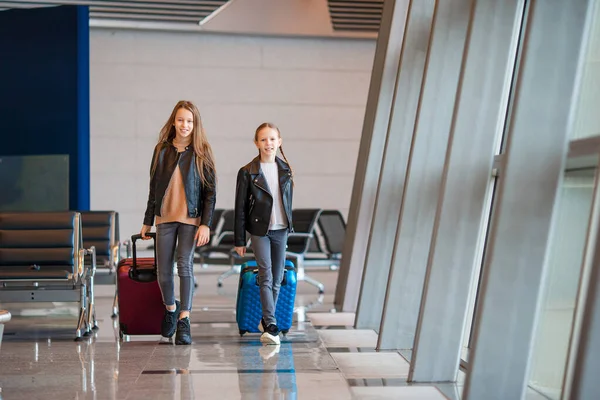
255, 165
170, 145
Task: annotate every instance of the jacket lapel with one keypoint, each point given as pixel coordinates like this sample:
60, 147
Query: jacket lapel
285, 174
257, 175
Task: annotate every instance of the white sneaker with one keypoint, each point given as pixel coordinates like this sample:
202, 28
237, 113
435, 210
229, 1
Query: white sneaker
267, 338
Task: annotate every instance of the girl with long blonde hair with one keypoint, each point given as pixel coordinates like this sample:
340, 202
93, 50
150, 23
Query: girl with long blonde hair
182, 199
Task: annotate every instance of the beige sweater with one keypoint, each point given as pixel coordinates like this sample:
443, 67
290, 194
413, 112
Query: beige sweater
174, 206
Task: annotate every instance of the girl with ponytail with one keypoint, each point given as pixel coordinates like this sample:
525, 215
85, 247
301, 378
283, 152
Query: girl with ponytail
263, 208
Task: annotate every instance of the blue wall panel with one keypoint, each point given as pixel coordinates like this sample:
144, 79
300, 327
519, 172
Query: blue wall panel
44, 89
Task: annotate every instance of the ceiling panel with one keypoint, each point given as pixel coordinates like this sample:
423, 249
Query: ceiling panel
183, 11
359, 15
343, 18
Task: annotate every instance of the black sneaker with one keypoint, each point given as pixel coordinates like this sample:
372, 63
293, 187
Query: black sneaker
262, 327
271, 335
183, 335
273, 329
169, 322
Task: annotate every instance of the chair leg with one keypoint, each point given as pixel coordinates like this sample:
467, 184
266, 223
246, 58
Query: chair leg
314, 282
82, 325
92, 323
115, 305
302, 310
235, 269
303, 277
202, 262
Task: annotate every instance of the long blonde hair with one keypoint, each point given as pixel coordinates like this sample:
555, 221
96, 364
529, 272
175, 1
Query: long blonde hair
272, 126
202, 149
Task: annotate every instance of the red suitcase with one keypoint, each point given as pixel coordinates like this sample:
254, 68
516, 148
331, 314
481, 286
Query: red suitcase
141, 307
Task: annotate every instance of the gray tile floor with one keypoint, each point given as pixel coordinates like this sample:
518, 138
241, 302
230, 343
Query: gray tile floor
321, 358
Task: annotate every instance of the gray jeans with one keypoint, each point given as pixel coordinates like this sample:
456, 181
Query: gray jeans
175, 238
269, 252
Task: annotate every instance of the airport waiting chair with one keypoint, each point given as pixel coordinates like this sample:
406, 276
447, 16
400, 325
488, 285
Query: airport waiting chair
42, 259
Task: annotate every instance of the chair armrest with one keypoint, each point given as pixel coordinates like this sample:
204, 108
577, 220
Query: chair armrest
301, 235
90, 269
116, 255
222, 235
4, 317
128, 250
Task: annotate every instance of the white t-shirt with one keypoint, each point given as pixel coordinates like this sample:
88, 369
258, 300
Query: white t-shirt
278, 218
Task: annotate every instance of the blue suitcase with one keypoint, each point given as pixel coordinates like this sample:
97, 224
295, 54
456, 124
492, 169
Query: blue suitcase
248, 307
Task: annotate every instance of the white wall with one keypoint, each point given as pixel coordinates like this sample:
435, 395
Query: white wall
315, 90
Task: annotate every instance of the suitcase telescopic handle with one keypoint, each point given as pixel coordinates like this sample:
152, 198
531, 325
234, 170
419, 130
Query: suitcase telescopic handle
136, 237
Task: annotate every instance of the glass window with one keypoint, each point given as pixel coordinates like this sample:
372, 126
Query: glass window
559, 293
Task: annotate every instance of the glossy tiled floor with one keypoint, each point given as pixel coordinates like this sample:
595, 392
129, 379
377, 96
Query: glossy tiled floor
321, 358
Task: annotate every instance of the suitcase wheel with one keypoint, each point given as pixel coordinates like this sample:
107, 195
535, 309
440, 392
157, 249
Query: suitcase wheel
122, 330
285, 331
242, 332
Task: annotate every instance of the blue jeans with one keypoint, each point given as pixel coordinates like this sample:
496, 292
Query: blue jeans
175, 238
269, 252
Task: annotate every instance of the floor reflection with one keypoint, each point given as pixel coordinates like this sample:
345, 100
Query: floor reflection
40, 360
267, 372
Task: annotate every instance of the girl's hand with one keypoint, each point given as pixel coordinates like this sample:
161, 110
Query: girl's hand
145, 229
202, 235
241, 250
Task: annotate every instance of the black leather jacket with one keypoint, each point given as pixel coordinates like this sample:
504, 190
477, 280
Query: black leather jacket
200, 198
254, 202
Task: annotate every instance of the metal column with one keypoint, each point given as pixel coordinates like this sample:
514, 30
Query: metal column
395, 162
375, 128
424, 177
462, 209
